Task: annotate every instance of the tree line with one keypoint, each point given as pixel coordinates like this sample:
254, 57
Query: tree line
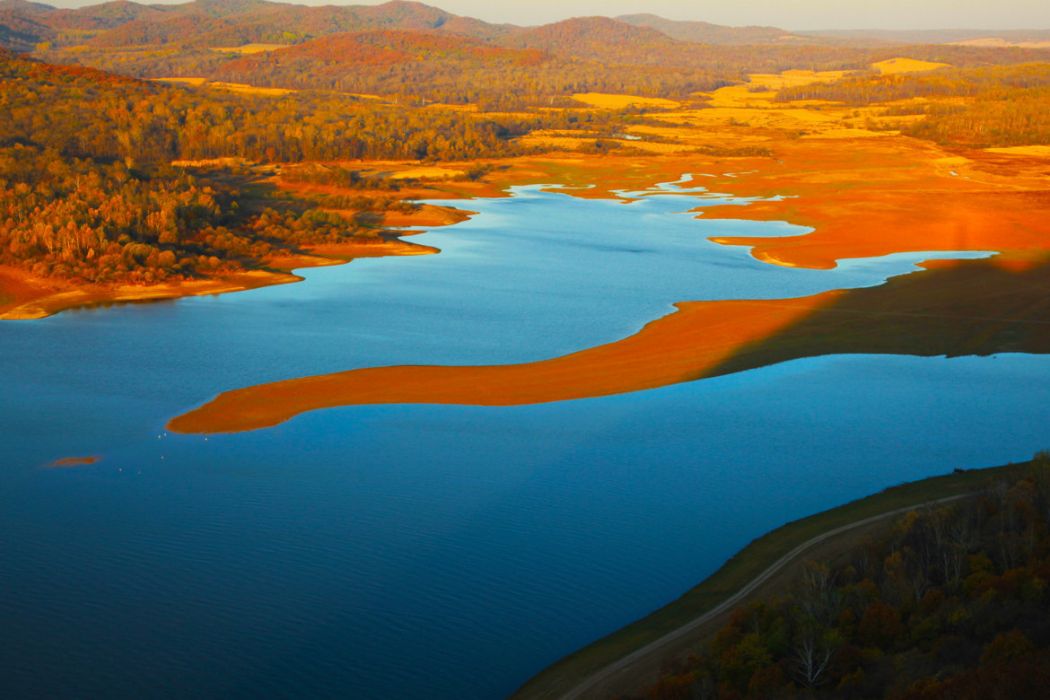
1003, 105
105, 222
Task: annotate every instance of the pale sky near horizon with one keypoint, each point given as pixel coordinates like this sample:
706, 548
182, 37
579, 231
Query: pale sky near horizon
788, 14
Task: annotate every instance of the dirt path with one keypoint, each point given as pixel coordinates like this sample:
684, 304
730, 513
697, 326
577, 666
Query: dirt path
594, 684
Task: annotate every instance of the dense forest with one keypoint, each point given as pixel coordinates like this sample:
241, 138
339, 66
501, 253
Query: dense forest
88, 113
87, 190
517, 71
869, 89
105, 222
1004, 117
952, 603
1004, 105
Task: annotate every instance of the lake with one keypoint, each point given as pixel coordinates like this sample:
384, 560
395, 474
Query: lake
419, 551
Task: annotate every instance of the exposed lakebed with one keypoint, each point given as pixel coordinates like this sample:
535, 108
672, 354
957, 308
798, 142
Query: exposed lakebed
438, 551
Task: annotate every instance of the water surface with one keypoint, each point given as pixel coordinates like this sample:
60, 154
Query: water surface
434, 551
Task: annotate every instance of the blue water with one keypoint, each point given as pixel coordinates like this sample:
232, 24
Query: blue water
430, 551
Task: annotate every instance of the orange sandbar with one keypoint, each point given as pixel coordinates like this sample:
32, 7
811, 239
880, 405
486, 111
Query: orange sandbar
679, 347
888, 196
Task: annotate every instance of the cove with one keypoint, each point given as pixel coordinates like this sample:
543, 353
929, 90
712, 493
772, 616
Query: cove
439, 551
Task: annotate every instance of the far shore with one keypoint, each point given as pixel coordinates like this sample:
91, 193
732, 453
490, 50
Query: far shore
951, 309
26, 297
974, 201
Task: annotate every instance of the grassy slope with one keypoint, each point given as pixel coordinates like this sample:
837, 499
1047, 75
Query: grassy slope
743, 568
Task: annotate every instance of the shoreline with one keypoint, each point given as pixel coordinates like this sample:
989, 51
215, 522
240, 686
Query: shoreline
948, 309
977, 201
24, 297
625, 660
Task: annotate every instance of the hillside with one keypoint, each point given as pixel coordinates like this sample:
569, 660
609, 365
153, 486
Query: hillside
617, 43
519, 70
91, 194
387, 62
707, 33
214, 23
948, 603
19, 32
588, 37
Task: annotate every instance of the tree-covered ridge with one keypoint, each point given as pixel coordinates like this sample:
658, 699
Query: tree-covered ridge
82, 112
384, 47
707, 33
224, 23
288, 24
526, 68
88, 191
414, 51
454, 70
1006, 117
953, 603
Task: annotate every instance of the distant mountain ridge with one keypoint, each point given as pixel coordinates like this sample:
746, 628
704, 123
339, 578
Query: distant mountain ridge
882, 37
20, 33
707, 33
221, 23
423, 53
587, 37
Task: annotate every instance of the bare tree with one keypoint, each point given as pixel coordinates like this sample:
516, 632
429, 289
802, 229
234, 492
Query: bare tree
812, 656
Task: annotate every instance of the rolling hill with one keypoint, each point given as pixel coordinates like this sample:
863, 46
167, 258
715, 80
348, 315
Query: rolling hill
707, 33
214, 23
19, 32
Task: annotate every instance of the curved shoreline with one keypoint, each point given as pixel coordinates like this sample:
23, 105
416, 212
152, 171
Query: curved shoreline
613, 664
979, 201
31, 298
948, 309
689, 343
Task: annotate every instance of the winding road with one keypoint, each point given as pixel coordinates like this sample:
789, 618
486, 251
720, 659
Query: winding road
657, 646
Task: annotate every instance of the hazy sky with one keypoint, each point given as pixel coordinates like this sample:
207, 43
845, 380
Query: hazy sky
789, 14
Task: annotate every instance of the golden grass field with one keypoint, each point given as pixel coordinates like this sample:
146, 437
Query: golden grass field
893, 66
249, 49
240, 88
1037, 151
607, 101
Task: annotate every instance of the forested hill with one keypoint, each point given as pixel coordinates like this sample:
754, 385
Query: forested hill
288, 25
707, 33
434, 66
88, 190
216, 23
952, 603
616, 43
418, 53
516, 71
